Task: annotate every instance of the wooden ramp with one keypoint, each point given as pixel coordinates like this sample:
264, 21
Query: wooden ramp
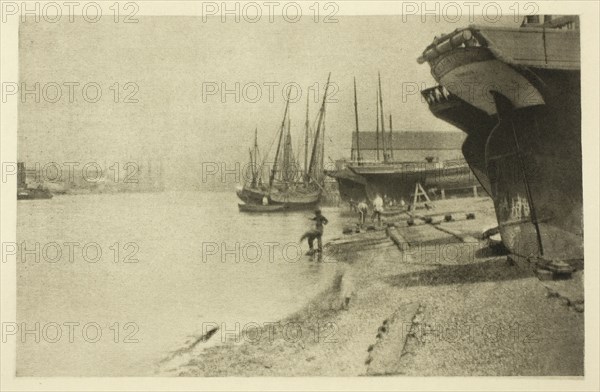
386, 355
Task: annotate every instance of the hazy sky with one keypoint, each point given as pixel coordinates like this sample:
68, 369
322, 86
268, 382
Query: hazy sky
169, 59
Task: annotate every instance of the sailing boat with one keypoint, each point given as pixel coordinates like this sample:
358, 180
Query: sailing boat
285, 186
398, 178
305, 193
352, 187
254, 190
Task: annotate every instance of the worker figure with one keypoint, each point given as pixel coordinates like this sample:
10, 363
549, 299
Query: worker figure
352, 205
363, 210
265, 201
317, 233
377, 208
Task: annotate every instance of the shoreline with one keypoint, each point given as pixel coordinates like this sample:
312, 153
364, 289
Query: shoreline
414, 312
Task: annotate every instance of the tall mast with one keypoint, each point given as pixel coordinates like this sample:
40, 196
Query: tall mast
391, 140
281, 132
318, 132
255, 168
289, 162
255, 142
382, 120
322, 158
356, 120
252, 167
377, 118
306, 127
287, 151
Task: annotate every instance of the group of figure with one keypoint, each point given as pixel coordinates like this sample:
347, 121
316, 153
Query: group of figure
362, 208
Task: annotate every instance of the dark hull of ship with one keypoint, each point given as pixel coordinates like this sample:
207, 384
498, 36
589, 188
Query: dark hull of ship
351, 187
526, 155
398, 181
259, 208
291, 200
251, 195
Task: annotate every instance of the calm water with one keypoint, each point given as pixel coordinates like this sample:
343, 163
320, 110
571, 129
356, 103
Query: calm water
181, 280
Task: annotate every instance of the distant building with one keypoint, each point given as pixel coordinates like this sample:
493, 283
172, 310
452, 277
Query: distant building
410, 146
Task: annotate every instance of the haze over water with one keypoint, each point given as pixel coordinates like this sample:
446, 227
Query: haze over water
168, 293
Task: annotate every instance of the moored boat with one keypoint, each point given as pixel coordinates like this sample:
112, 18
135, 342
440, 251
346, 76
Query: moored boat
253, 191
300, 196
260, 208
400, 178
287, 185
26, 192
33, 194
396, 178
351, 186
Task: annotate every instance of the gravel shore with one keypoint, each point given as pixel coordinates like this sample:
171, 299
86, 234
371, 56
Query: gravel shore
443, 307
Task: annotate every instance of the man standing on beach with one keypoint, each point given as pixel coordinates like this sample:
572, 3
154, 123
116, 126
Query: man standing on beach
353, 206
377, 208
363, 210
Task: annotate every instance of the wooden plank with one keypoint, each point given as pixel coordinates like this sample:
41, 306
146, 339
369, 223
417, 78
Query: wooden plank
385, 355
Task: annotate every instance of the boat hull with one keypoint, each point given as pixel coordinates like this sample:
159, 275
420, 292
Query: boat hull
296, 198
291, 200
259, 208
33, 194
524, 147
476, 123
540, 181
398, 181
251, 195
351, 187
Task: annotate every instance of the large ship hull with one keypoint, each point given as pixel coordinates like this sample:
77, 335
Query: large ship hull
398, 180
476, 123
524, 136
352, 187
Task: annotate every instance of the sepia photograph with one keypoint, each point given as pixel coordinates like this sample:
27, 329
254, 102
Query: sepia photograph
307, 195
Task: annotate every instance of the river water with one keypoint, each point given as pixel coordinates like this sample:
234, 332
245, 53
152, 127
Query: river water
110, 284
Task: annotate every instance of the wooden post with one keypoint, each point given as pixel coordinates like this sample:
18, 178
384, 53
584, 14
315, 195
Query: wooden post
415, 198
